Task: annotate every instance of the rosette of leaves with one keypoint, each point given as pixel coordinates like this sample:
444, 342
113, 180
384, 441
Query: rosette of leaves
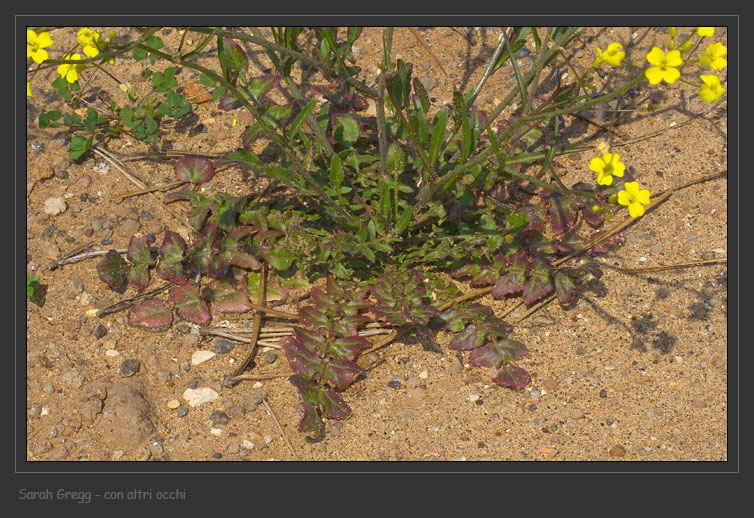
481, 332
402, 298
323, 354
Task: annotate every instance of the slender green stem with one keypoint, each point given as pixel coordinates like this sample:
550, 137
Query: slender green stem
490, 68
519, 79
285, 50
387, 40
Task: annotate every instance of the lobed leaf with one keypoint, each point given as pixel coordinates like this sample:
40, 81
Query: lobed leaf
347, 347
112, 269
171, 255
512, 376
152, 315
193, 169
341, 373
480, 332
301, 359
227, 299
333, 405
513, 280
538, 285
492, 354
234, 252
189, 305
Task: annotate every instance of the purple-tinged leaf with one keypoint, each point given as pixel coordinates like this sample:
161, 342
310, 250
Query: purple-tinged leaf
477, 333
234, 251
171, 257
187, 193
606, 245
112, 269
538, 285
311, 422
203, 247
348, 326
593, 268
419, 313
333, 406
565, 289
569, 242
348, 347
152, 315
323, 302
456, 319
341, 373
562, 212
138, 251
227, 299
201, 207
138, 275
234, 60
217, 267
189, 305
512, 376
313, 319
301, 359
311, 340
513, 280
193, 169
493, 353
229, 102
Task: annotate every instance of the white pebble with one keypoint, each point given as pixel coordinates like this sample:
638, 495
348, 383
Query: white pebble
112, 352
101, 167
216, 431
258, 384
424, 374
473, 397
55, 206
199, 395
201, 356
247, 444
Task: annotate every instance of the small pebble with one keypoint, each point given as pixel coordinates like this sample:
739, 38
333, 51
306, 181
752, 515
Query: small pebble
107, 241
534, 395
235, 411
173, 404
455, 368
192, 384
201, 356
650, 414
62, 174
101, 167
54, 206
129, 367
100, 331
603, 393
270, 357
617, 451
217, 455
251, 401
164, 375
429, 82
532, 407
46, 233
395, 382
575, 413
222, 346
218, 417
181, 411
77, 286
550, 384
38, 146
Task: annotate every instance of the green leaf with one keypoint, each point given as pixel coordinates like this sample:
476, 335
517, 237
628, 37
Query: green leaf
337, 174
438, 135
193, 169
404, 220
280, 258
346, 132
112, 269
189, 305
301, 117
79, 145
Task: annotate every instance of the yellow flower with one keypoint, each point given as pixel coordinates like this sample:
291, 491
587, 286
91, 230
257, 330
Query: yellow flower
28, 90
713, 56
634, 198
710, 90
68, 71
612, 56
705, 31
35, 45
607, 168
90, 40
664, 69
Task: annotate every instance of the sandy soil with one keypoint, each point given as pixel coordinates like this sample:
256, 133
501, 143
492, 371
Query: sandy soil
636, 371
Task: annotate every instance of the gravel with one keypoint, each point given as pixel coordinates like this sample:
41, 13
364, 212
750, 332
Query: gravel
77, 286
54, 206
218, 417
270, 358
100, 331
181, 411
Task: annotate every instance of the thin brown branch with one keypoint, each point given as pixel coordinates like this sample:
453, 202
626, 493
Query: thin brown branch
277, 423
664, 267
261, 296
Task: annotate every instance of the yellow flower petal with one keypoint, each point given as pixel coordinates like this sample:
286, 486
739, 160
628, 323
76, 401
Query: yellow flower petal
705, 31
604, 179
656, 56
44, 40
673, 59
623, 198
654, 75
643, 197
597, 165
28, 90
636, 210
670, 74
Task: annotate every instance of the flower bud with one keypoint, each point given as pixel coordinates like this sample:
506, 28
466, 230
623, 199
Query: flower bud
687, 46
670, 45
673, 31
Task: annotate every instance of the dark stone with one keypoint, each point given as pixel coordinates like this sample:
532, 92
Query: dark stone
62, 174
394, 384
192, 384
217, 456
270, 358
603, 393
129, 367
218, 417
532, 407
100, 331
223, 346
145, 214
46, 233
107, 241
181, 411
